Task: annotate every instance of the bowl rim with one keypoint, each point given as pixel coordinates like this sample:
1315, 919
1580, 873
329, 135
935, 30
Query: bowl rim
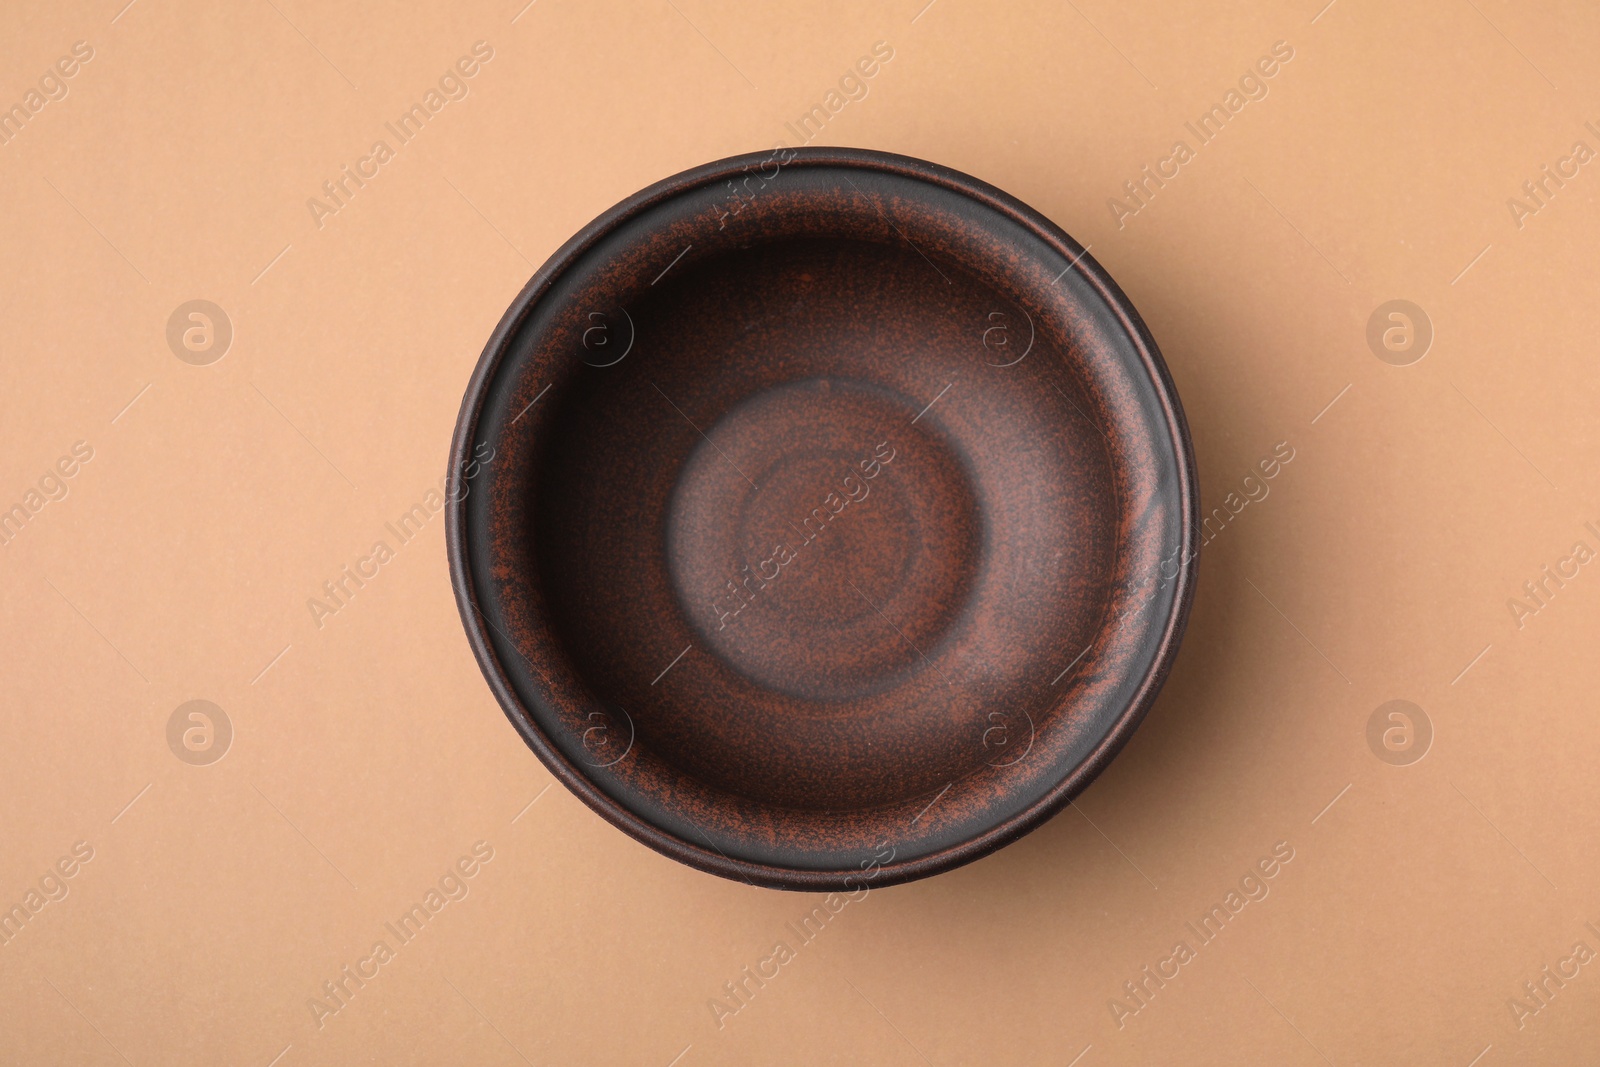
1001, 833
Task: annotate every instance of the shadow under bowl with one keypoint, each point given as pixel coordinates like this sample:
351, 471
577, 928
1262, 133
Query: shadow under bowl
824, 518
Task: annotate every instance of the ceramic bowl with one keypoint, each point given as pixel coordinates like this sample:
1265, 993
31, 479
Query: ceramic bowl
823, 518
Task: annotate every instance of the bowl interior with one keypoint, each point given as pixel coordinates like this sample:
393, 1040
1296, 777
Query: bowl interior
829, 525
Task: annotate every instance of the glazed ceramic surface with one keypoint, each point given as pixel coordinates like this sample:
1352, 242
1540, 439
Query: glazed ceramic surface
823, 517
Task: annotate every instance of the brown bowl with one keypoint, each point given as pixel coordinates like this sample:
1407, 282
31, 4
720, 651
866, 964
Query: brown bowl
823, 518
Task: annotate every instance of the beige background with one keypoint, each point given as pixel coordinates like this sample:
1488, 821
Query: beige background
368, 754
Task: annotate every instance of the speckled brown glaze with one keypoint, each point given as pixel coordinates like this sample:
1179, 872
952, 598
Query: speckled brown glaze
841, 521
